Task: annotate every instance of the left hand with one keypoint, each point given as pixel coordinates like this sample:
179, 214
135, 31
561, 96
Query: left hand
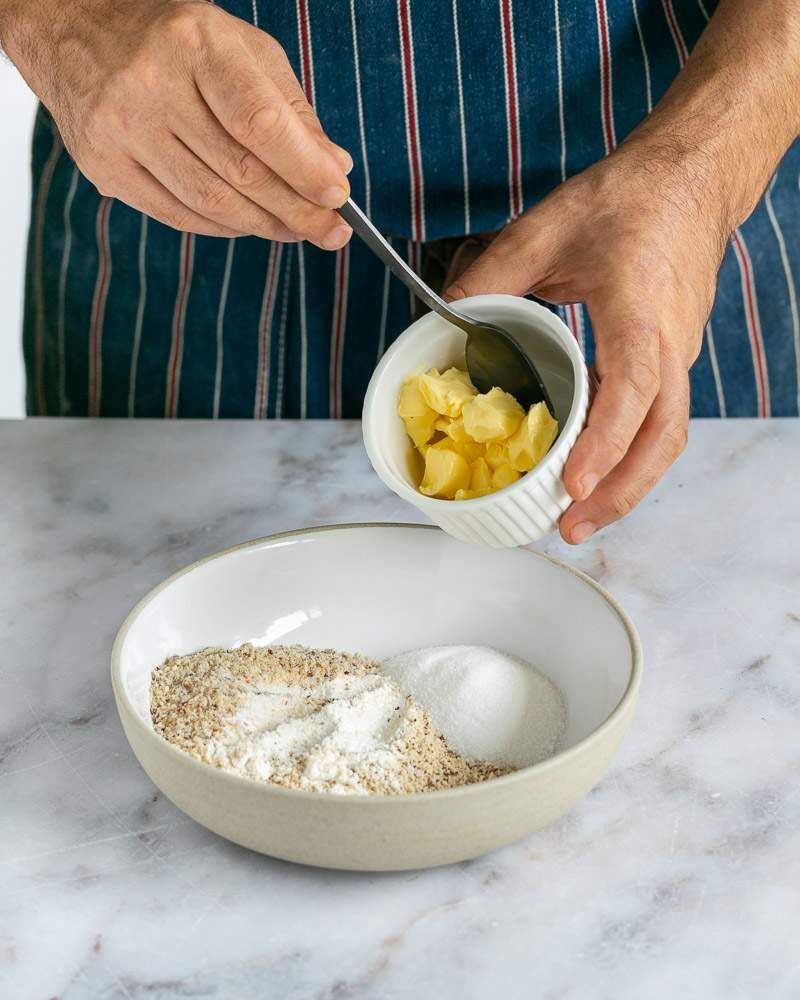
628, 238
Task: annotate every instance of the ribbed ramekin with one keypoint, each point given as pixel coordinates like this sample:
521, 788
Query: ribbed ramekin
531, 507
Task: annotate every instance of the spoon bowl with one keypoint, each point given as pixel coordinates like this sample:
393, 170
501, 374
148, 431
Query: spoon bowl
494, 357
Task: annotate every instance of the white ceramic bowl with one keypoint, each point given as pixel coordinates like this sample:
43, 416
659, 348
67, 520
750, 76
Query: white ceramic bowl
528, 509
382, 589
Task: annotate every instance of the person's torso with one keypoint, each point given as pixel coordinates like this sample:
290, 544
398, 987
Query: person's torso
461, 114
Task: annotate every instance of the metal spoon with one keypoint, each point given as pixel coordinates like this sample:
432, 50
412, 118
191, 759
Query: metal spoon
493, 355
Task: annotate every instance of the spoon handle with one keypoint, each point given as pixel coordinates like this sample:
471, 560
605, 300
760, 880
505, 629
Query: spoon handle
353, 215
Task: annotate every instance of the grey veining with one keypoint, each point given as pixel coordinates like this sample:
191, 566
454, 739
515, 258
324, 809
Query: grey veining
678, 876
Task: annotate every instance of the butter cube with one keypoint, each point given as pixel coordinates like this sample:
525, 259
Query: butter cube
504, 476
446, 393
492, 416
420, 429
411, 402
480, 477
446, 472
496, 455
533, 438
415, 413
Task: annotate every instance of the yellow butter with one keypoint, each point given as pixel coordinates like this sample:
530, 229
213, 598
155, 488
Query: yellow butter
411, 402
446, 472
504, 476
472, 444
492, 416
420, 429
533, 438
496, 455
458, 439
480, 475
446, 393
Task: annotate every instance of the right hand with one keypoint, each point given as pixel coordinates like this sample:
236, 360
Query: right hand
186, 113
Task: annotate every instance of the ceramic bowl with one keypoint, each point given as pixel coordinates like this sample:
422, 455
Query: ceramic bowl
531, 507
382, 589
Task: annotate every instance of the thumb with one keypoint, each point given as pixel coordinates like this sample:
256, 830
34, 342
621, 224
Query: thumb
516, 261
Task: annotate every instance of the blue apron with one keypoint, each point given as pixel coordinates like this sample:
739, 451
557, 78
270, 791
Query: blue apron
459, 116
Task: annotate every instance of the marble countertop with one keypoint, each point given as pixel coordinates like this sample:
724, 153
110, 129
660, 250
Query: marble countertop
679, 876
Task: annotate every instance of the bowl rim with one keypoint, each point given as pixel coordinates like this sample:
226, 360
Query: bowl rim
420, 500
267, 789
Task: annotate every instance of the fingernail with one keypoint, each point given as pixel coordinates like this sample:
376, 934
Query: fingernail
582, 531
344, 158
588, 483
333, 198
337, 237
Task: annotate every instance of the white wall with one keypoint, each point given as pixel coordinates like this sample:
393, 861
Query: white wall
16, 119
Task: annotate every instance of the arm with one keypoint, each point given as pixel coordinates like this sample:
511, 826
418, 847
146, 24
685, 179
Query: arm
184, 112
639, 237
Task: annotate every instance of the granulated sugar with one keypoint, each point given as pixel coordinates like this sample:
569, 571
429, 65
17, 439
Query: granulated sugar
305, 718
486, 704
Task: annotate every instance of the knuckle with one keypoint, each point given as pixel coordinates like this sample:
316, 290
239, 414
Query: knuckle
212, 194
145, 74
300, 106
642, 378
307, 220
106, 184
254, 123
675, 438
185, 25
616, 442
95, 125
458, 290
622, 502
244, 170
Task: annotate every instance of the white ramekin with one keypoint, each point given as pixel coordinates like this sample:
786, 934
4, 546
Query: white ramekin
528, 509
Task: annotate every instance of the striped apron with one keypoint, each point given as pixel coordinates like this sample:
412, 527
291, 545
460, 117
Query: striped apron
459, 115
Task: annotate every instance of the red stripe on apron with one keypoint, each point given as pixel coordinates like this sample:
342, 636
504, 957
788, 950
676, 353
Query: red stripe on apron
512, 108
412, 124
675, 31
178, 322
753, 323
606, 98
306, 55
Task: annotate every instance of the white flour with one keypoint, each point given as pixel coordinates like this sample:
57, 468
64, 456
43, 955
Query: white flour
343, 732
487, 705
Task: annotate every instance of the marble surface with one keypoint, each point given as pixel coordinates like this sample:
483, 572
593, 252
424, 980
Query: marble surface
679, 876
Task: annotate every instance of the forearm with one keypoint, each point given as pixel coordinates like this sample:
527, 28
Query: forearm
734, 109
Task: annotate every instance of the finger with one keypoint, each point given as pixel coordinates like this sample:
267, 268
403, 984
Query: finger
252, 109
134, 185
628, 351
513, 263
277, 66
659, 442
183, 173
524, 257
247, 174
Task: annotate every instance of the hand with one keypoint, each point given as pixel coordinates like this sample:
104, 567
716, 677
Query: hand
627, 238
186, 113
